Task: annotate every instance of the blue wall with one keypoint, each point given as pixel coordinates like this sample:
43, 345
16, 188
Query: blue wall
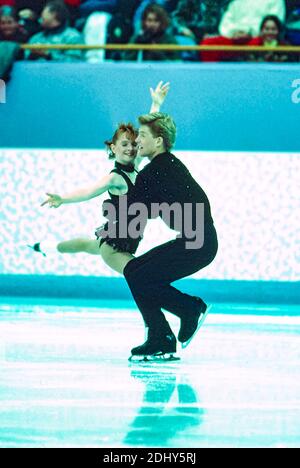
227, 107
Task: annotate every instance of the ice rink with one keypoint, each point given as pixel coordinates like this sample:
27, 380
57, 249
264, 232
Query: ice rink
66, 380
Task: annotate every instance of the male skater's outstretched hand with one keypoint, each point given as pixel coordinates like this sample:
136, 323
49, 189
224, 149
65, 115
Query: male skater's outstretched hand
159, 95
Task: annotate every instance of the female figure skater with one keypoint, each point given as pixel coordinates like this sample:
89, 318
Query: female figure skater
116, 252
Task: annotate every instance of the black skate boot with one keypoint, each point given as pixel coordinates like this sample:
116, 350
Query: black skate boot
37, 248
192, 322
158, 347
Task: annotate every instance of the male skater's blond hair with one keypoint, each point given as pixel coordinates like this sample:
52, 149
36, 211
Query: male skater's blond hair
161, 125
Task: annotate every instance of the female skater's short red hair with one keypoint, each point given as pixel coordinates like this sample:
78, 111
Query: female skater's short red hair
122, 128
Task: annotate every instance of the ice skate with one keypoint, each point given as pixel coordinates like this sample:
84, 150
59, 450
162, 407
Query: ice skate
157, 348
191, 323
37, 248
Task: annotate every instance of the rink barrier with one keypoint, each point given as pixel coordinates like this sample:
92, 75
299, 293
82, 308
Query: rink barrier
164, 47
260, 102
112, 289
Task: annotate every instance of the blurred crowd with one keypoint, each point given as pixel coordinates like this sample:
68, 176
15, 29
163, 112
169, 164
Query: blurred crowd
184, 22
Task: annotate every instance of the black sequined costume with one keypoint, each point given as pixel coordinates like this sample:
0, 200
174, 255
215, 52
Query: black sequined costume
119, 243
150, 276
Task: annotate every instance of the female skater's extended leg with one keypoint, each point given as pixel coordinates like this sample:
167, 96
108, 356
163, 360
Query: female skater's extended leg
89, 246
72, 246
114, 259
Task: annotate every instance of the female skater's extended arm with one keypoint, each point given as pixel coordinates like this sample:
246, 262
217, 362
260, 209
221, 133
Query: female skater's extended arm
113, 180
108, 182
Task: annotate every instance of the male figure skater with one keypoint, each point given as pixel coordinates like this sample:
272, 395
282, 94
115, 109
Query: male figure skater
166, 180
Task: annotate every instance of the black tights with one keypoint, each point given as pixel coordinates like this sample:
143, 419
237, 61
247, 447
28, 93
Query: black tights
150, 276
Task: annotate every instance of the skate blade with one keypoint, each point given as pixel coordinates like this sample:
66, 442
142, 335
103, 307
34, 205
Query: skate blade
200, 323
156, 358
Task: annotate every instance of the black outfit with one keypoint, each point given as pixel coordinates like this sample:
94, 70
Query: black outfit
120, 244
166, 179
147, 37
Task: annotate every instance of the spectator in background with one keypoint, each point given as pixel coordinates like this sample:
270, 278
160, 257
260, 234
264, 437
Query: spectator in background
32, 9
240, 22
195, 18
121, 26
212, 13
243, 18
11, 35
168, 5
10, 30
271, 35
93, 18
29, 12
37, 6
187, 19
95, 31
55, 30
108, 22
29, 20
155, 24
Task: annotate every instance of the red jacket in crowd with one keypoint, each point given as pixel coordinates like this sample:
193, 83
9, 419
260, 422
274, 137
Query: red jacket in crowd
7, 3
216, 55
73, 3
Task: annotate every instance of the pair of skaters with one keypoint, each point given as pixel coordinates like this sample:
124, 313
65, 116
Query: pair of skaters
165, 180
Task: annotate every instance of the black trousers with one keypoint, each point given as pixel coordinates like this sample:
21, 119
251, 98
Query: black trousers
150, 276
